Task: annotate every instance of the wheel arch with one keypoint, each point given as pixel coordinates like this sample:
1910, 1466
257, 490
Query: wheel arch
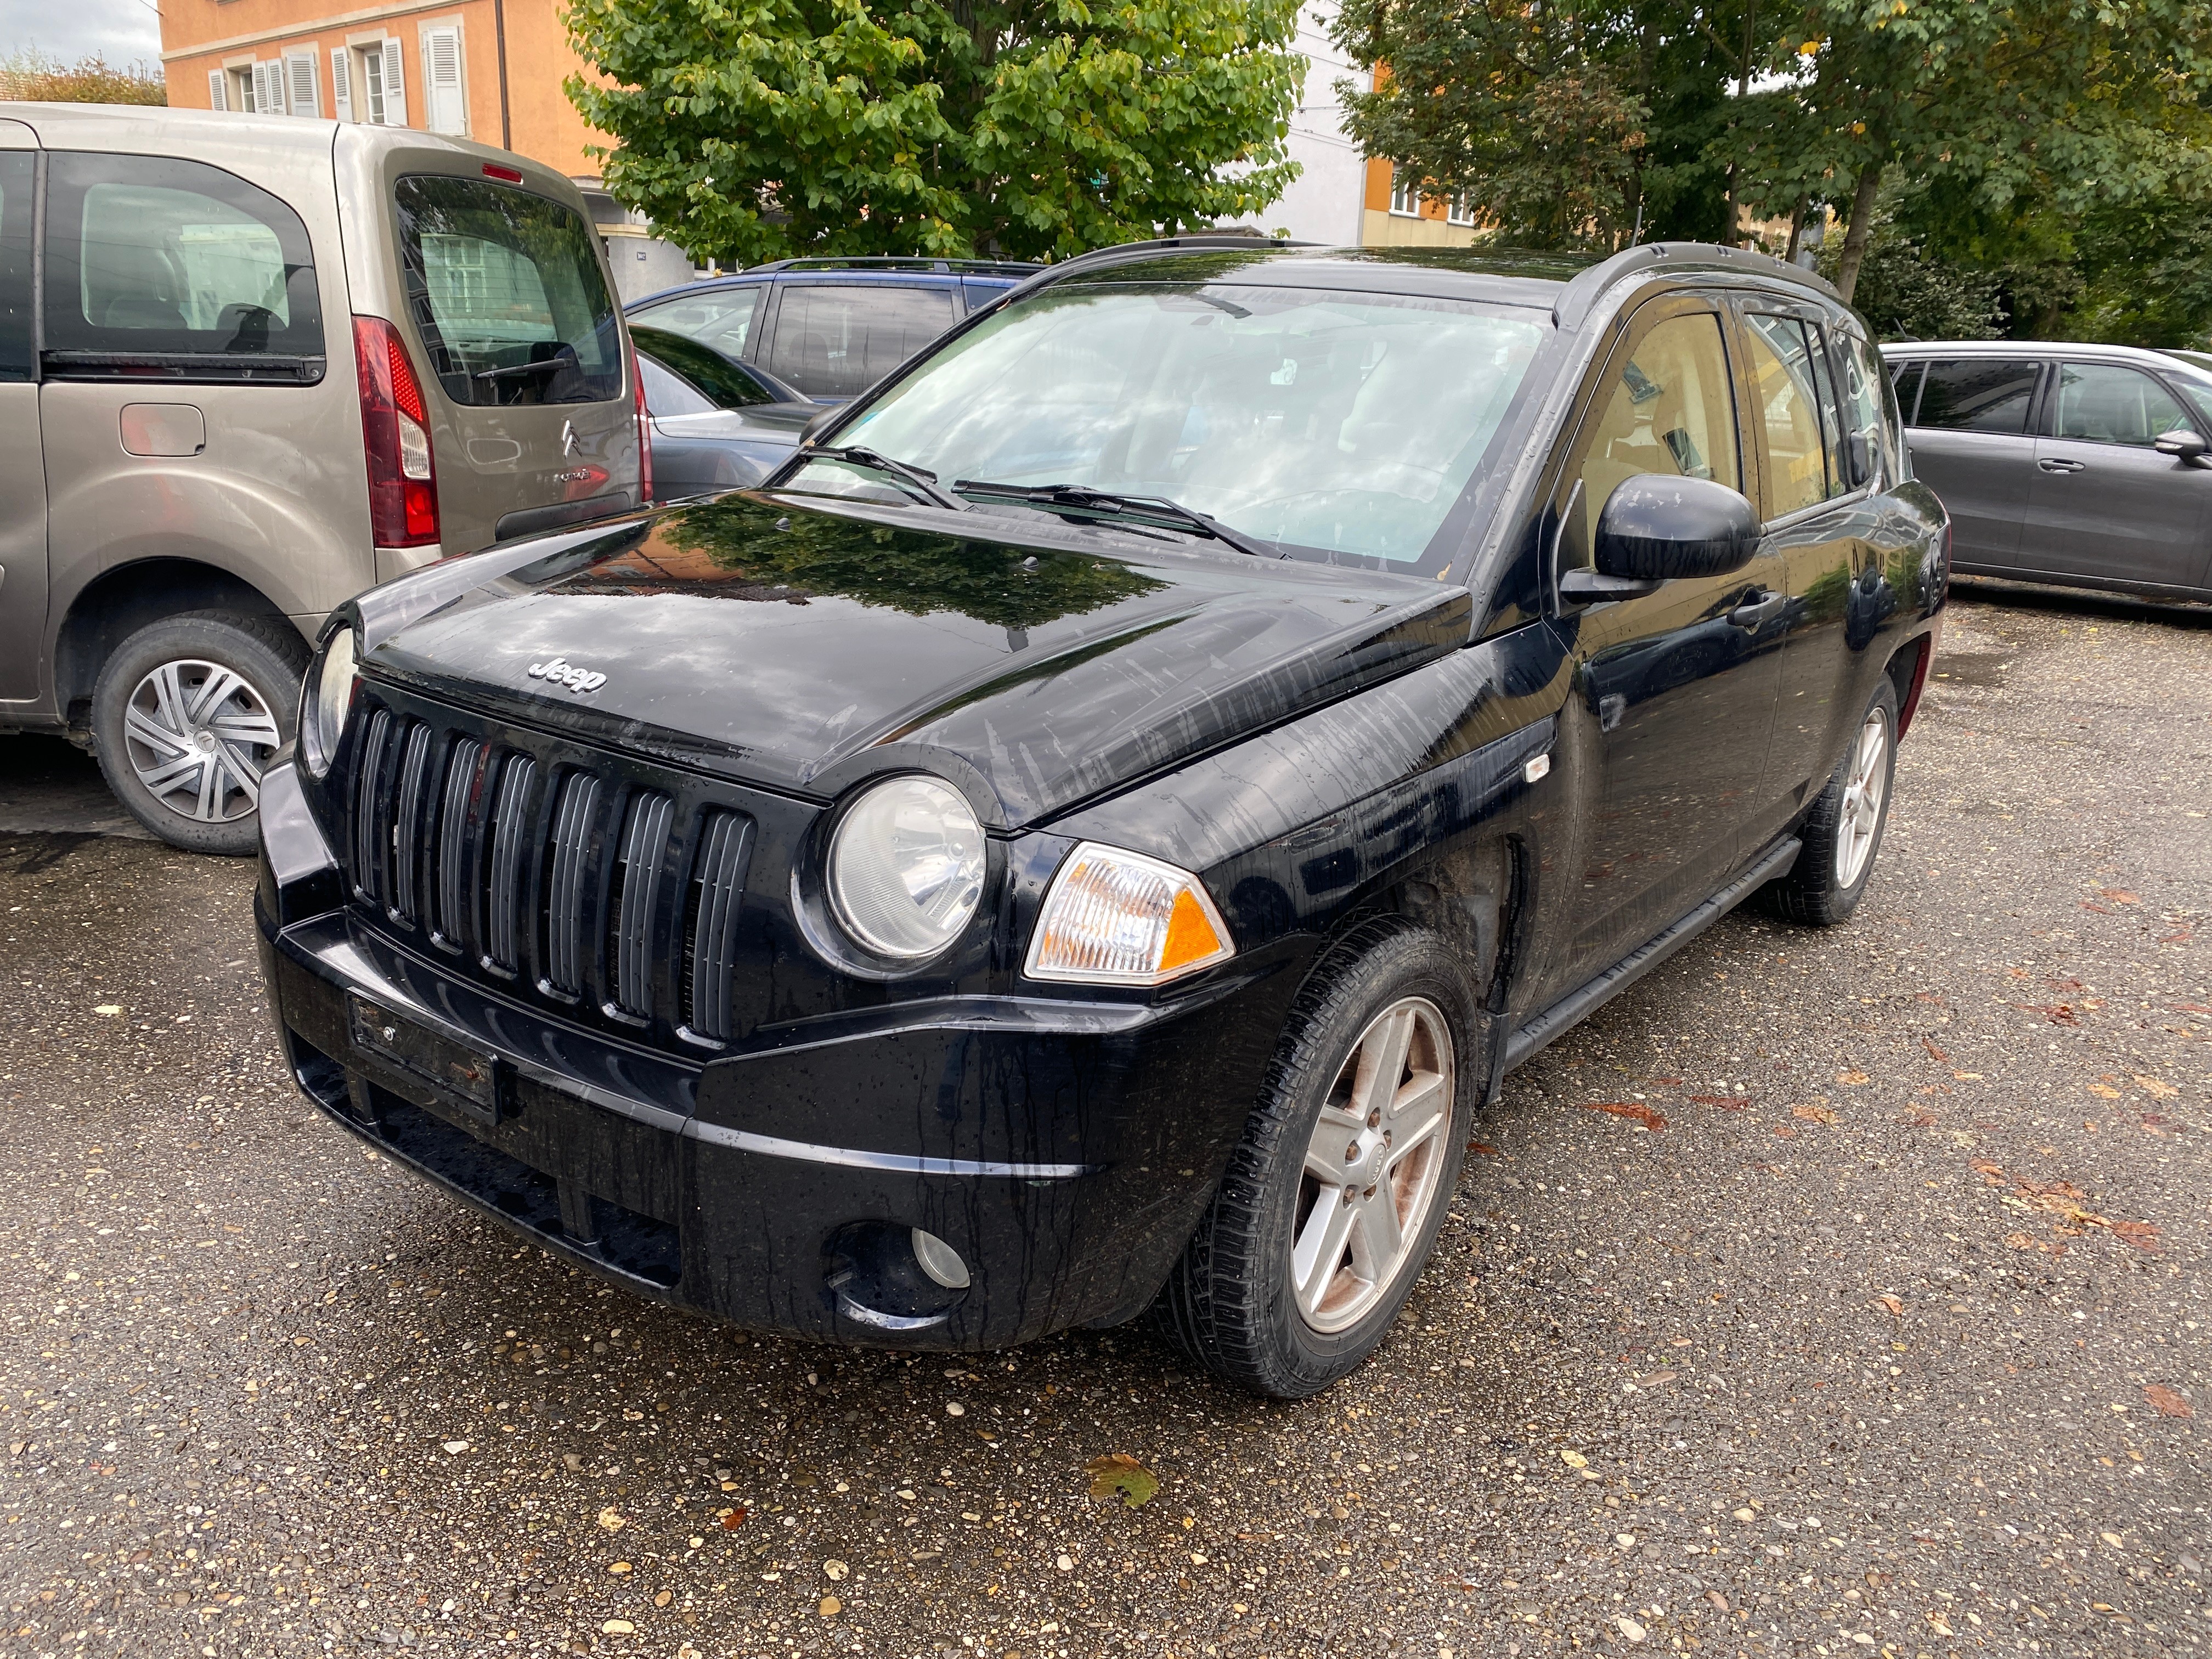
118, 603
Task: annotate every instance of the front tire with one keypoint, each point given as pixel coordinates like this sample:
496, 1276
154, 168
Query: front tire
1843, 834
1333, 1199
186, 714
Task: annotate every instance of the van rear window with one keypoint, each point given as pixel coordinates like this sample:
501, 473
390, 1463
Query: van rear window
505, 290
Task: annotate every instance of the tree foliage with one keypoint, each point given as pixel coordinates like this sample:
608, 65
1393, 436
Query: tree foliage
751, 129
39, 79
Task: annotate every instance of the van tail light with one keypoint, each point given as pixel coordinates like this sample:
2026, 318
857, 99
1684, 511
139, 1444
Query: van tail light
395, 428
644, 435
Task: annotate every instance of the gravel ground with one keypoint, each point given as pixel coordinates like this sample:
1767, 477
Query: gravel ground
1829, 1293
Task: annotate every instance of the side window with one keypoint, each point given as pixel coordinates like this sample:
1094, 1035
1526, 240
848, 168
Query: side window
148, 257
1863, 411
1789, 403
1670, 411
1831, 408
721, 319
670, 394
1978, 394
1904, 379
17, 170
2105, 404
835, 340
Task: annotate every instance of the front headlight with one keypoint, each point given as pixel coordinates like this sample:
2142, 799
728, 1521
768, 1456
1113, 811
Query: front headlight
906, 867
327, 701
1117, 918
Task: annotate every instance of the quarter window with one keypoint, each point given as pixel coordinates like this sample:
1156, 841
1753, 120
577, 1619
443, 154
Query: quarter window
1978, 394
1669, 411
836, 340
1789, 405
2105, 404
1862, 405
163, 266
16, 172
722, 319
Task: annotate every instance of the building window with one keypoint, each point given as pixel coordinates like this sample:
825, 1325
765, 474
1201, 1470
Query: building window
377, 92
1405, 198
1458, 211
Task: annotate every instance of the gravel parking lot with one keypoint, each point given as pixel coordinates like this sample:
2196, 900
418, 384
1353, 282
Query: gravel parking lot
1829, 1293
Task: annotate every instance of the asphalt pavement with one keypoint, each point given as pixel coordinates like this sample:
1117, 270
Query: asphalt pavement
1830, 1293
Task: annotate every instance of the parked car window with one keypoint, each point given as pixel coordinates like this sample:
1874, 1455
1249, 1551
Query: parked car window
149, 256
506, 291
1862, 403
722, 319
15, 183
667, 393
1670, 411
1782, 370
1339, 425
708, 377
2198, 391
1978, 394
2105, 404
836, 340
1832, 409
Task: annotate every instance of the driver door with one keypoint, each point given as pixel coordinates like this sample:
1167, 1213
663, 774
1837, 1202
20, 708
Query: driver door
1675, 690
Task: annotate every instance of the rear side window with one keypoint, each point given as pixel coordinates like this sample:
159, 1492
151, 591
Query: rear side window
505, 290
837, 340
162, 269
714, 381
1789, 405
1862, 405
722, 319
1978, 394
1832, 409
2105, 404
16, 172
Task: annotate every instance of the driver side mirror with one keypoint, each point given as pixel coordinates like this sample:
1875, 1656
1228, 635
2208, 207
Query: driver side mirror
1657, 528
815, 424
2185, 445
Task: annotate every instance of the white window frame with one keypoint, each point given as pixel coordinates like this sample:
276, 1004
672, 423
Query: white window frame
1405, 199
1457, 212
391, 86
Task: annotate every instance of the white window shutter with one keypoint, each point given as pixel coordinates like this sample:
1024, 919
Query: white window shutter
395, 86
301, 83
447, 100
341, 83
218, 94
269, 96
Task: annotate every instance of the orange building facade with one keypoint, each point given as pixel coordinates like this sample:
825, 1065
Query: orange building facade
1396, 214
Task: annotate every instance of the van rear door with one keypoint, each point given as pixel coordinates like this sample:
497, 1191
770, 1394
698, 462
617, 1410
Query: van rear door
533, 418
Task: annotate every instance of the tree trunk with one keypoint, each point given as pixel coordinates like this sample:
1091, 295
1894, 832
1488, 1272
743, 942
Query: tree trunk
1862, 228
1796, 231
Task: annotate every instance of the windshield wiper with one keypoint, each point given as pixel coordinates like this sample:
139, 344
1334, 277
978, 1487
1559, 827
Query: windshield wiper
924, 484
1105, 504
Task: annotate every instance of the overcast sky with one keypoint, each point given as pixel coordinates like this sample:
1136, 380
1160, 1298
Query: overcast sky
125, 31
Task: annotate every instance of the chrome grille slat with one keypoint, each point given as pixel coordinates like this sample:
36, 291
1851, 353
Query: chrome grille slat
718, 877
453, 839
370, 834
502, 885
406, 823
644, 849
564, 888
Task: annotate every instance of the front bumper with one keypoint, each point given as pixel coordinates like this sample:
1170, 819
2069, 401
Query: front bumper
1065, 1149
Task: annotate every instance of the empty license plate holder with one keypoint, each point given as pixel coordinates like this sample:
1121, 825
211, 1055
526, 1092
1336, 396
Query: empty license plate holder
466, 1080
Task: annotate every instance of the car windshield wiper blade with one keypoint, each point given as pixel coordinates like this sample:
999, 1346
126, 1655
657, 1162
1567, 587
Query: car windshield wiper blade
1105, 504
923, 483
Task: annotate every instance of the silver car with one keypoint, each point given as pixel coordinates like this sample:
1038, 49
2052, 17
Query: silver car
2080, 465
249, 365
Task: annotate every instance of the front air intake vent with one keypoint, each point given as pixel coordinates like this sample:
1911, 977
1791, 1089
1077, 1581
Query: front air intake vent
452, 890
634, 902
565, 884
371, 821
710, 922
405, 897
503, 896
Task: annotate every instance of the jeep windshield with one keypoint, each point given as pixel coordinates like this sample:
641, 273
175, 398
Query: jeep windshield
1332, 425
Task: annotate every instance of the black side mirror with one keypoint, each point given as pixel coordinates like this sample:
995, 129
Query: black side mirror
817, 424
1655, 528
2183, 445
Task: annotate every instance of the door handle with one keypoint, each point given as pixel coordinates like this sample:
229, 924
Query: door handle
1757, 609
2060, 463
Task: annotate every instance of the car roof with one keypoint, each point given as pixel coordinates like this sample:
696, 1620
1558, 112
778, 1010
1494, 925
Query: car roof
158, 127
2029, 349
893, 273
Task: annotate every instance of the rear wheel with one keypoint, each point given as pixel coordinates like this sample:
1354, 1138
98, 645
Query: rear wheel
1842, 835
1332, 1202
185, 715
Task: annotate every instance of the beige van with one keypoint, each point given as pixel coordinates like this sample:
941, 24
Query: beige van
249, 365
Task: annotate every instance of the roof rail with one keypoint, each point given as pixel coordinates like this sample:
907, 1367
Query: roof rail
899, 262
1221, 240
1581, 294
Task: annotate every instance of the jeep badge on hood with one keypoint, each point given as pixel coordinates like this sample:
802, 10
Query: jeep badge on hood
578, 680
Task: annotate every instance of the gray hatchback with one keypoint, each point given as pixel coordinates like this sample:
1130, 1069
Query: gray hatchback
249, 365
2080, 465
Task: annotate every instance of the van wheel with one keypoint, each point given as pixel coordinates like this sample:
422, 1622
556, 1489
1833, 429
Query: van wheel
187, 713
1332, 1200
1843, 834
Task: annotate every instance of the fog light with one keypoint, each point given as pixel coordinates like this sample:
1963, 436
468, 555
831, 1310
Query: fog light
940, 1260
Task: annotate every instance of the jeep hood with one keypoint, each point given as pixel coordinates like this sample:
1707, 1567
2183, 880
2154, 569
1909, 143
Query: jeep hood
801, 644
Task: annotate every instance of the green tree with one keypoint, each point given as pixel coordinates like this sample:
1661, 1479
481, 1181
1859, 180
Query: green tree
751, 129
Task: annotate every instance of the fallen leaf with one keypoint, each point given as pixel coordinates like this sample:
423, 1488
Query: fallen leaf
2057, 1013
1482, 1149
733, 1519
2104, 1092
2165, 1403
1117, 1474
2143, 1235
2153, 1088
2119, 896
1852, 1078
1628, 1108
1814, 1114
1942, 1059
2193, 1007
1896, 1308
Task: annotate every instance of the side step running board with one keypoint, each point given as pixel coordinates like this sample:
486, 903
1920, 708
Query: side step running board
1579, 1005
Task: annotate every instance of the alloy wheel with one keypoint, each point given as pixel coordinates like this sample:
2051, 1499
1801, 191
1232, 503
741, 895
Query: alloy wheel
198, 735
1372, 1165
1864, 785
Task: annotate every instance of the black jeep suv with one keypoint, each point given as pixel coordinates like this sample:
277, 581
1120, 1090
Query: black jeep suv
1091, 831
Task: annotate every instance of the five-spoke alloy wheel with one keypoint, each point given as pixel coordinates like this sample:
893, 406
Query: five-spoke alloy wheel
1842, 835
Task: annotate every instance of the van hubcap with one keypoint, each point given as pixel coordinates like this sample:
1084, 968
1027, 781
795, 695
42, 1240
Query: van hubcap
1863, 787
1373, 1165
198, 735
